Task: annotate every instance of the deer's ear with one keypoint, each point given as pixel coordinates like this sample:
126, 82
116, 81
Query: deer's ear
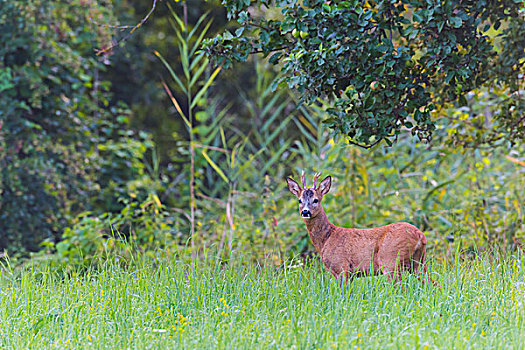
293, 187
324, 186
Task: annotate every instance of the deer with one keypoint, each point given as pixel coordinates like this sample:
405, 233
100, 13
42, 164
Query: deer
354, 252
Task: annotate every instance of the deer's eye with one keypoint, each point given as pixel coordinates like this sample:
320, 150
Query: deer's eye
315, 200
300, 201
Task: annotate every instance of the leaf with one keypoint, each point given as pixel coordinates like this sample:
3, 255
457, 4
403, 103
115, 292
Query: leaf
440, 26
275, 157
172, 73
370, 102
198, 73
176, 104
205, 87
199, 39
274, 59
157, 200
248, 162
456, 21
434, 189
215, 166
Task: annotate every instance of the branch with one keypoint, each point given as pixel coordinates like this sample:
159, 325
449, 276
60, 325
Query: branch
271, 50
218, 201
133, 28
364, 146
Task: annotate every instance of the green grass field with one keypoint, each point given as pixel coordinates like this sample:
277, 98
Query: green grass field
167, 304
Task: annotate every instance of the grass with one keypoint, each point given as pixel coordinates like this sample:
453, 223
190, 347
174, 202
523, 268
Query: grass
167, 304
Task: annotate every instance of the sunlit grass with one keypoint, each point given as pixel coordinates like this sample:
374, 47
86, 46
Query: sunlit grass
167, 304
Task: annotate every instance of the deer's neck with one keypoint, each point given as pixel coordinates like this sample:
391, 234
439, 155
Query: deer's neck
319, 229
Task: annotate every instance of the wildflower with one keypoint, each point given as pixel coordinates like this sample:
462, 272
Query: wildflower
359, 335
482, 333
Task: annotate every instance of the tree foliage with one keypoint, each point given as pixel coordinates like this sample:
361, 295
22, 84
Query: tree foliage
60, 140
386, 64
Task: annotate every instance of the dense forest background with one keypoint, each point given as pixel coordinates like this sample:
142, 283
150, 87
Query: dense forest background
150, 143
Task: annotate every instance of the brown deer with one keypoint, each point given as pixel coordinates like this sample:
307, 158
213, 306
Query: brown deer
348, 252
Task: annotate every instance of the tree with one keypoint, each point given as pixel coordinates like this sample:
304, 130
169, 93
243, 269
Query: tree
60, 139
386, 65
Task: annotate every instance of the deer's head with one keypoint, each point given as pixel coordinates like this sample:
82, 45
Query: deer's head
310, 198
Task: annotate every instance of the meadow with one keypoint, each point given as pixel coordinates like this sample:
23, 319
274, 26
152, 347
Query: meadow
166, 303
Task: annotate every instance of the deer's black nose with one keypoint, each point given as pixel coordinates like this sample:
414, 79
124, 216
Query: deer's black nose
306, 213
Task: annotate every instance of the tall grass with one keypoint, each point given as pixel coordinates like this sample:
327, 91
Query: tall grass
165, 303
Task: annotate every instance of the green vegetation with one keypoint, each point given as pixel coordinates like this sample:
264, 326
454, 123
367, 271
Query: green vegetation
165, 303
63, 147
143, 200
386, 65
68, 188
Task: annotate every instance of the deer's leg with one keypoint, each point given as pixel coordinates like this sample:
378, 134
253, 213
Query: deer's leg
343, 273
392, 263
397, 270
417, 259
342, 277
390, 267
420, 266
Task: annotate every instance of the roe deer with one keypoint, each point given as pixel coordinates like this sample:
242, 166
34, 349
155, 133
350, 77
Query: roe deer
348, 252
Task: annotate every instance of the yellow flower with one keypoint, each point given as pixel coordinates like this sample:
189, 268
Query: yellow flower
359, 334
482, 333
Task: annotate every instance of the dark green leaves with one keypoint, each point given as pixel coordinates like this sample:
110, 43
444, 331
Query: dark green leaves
456, 22
386, 59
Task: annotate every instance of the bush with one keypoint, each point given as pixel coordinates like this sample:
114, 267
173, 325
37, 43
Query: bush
56, 126
140, 227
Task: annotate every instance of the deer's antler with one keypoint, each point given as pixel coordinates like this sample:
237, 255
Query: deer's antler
304, 181
316, 176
